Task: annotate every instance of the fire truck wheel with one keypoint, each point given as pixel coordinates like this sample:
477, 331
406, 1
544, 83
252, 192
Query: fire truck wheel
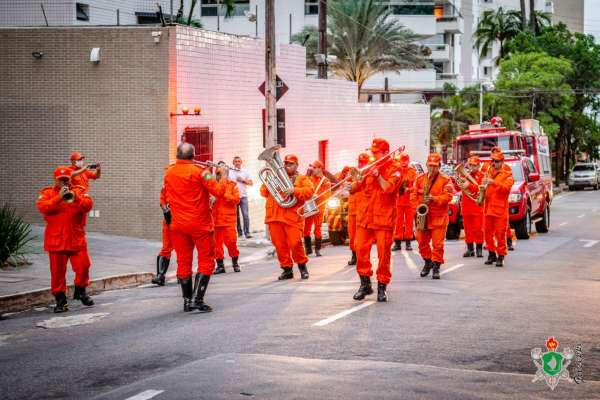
523, 227
544, 225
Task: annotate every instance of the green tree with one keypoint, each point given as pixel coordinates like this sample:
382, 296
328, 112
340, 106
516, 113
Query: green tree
452, 113
500, 26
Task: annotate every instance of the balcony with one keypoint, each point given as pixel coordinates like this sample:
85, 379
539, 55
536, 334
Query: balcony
450, 24
420, 24
439, 52
445, 77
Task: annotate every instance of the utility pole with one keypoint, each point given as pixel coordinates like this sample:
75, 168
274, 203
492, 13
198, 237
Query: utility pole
270, 109
480, 102
322, 66
532, 16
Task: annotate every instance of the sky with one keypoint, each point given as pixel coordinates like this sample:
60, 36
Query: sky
592, 18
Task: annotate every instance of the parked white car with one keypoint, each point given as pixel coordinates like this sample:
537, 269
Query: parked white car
584, 175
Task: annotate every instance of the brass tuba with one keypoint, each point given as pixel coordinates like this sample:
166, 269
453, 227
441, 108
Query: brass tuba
276, 179
423, 208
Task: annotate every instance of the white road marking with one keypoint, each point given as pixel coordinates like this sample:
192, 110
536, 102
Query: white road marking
74, 320
145, 395
581, 216
457, 266
409, 261
589, 243
563, 224
342, 314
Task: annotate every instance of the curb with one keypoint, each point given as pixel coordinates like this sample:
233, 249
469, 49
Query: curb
42, 297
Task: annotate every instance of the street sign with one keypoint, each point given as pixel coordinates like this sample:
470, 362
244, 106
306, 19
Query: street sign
280, 88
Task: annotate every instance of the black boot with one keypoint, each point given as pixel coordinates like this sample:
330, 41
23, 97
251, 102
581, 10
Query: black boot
397, 245
287, 273
318, 247
187, 292
234, 264
303, 271
436, 271
470, 252
200, 286
365, 288
426, 268
500, 261
491, 258
509, 244
307, 245
479, 249
381, 293
220, 267
353, 259
80, 294
61, 303
408, 246
162, 265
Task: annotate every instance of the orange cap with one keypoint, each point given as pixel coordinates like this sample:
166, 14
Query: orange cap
495, 149
497, 156
434, 159
291, 158
317, 164
404, 159
63, 172
380, 145
474, 160
76, 156
363, 159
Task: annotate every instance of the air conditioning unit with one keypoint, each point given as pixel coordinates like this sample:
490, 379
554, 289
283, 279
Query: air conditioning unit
549, 6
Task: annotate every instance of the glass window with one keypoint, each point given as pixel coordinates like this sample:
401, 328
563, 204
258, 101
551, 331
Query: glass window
482, 144
209, 8
311, 7
588, 167
83, 11
517, 171
530, 166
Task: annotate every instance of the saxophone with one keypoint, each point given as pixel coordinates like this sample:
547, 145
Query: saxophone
423, 208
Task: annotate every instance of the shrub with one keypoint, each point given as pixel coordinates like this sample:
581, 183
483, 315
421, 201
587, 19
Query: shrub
14, 235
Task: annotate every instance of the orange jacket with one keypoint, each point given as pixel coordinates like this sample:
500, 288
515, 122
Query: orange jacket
323, 188
441, 193
407, 180
303, 190
376, 207
65, 222
468, 206
224, 210
187, 190
83, 179
497, 192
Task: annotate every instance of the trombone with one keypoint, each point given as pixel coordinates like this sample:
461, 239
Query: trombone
210, 164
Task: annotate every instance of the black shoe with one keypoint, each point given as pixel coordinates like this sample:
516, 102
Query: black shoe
470, 251
381, 294
479, 249
248, 236
307, 245
500, 261
287, 273
436, 271
200, 286
303, 271
408, 246
426, 268
187, 292
61, 303
220, 267
397, 245
81, 295
162, 265
234, 264
491, 259
318, 243
365, 288
353, 259
509, 244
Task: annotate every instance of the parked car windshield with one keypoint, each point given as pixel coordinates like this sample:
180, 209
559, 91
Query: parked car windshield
517, 171
588, 167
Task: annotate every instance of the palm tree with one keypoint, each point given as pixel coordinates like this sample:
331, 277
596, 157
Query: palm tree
500, 26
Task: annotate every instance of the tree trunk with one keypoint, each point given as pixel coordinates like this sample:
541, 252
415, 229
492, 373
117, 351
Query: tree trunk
532, 17
192, 6
523, 16
179, 12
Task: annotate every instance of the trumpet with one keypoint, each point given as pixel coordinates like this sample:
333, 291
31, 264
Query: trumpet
462, 176
276, 179
210, 164
311, 207
67, 195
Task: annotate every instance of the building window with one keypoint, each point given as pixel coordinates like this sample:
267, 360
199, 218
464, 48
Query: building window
311, 7
202, 140
323, 146
209, 8
82, 11
487, 71
410, 7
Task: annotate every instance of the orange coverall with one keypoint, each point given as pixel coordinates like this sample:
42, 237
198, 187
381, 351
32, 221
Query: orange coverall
495, 209
286, 226
405, 210
375, 218
64, 236
437, 219
83, 179
473, 213
317, 219
225, 216
187, 188
167, 246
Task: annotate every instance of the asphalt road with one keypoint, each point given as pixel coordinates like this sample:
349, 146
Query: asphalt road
466, 336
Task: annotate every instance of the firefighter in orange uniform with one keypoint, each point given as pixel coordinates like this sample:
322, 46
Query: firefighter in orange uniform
404, 208
164, 256
471, 211
285, 225
83, 173
498, 181
187, 189
438, 198
375, 217
64, 208
353, 198
224, 212
322, 185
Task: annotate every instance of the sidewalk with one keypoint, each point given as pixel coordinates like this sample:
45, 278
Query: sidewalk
117, 262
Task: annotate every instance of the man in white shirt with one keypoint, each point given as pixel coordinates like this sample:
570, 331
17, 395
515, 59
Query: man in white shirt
242, 179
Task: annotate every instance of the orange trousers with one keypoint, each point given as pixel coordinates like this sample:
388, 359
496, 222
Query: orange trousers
80, 263
495, 234
167, 246
287, 240
508, 232
365, 238
405, 217
473, 224
431, 244
184, 244
352, 231
226, 235
317, 221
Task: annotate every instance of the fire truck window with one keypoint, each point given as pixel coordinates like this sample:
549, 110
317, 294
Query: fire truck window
530, 166
517, 171
527, 171
529, 148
